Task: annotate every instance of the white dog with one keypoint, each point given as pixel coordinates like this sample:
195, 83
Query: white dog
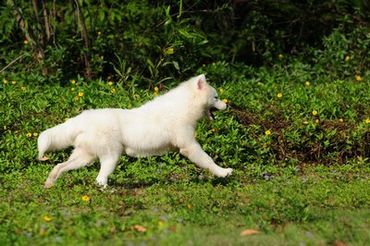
168, 122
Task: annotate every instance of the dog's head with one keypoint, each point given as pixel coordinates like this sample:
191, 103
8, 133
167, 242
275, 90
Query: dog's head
209, 96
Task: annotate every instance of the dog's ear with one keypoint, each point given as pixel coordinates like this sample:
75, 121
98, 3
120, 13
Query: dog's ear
201, 82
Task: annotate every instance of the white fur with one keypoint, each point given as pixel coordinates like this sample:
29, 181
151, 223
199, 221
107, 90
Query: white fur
165, 123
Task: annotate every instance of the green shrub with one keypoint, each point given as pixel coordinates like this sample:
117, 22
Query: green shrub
173, 39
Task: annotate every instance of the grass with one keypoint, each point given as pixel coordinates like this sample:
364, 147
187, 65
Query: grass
300, 178
321, 206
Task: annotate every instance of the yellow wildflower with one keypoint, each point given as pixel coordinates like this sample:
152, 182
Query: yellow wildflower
5, 81
307, 83
225, 101
80, 94
305, 122
317, 121
268, 132
99, 33
72, 89
221, 91
161, 224
29, 134
85, 198
25, 41
169, 51
367, 121
110, 83
279, 95
35, 134
72, 81
358, 77
347, 58
23, 88
113, 90
47, 218
314, 112
156, 90
14, 82
340, 120
281, 56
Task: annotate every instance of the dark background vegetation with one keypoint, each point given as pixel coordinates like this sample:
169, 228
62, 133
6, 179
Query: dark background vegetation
157, 40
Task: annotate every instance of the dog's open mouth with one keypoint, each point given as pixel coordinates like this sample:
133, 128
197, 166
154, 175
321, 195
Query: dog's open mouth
210, 114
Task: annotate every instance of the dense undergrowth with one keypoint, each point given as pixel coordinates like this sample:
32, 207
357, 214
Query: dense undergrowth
273, 118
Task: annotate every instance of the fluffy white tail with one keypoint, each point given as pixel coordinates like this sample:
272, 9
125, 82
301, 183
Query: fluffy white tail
56, 138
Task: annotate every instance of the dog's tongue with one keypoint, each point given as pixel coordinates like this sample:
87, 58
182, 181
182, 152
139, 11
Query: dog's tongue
209, 114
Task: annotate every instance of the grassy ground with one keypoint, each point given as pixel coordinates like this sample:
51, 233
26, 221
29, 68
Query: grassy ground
299, 147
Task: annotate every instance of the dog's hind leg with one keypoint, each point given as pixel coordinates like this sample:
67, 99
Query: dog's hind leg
79, 158
54, 174
107, 166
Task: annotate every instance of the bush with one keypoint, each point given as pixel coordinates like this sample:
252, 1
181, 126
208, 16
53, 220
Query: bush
161, 40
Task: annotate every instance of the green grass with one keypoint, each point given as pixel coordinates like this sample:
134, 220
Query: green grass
321, 206
305, 183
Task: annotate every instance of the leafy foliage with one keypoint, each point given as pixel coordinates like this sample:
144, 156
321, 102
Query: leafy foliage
167, 39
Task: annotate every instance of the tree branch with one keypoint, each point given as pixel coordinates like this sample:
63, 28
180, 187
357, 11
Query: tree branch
11, 63
85, 38
46, 21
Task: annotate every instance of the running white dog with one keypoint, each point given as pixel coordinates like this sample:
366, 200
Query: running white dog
168, 122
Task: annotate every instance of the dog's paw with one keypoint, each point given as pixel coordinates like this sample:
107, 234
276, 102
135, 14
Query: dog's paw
102, 183
44, 158
48, 184
224, 172
228, 172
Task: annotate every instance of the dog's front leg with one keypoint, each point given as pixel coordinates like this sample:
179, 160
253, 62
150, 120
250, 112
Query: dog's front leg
197, 155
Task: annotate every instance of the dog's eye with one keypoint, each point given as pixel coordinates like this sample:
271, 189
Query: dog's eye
216, 97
